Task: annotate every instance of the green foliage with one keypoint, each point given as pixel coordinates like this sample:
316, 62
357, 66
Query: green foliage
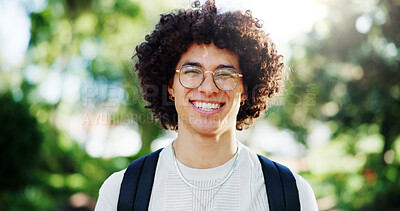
20, 140
349, 81
89, 44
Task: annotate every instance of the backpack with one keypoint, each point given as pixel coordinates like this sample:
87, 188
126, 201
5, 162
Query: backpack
138, 180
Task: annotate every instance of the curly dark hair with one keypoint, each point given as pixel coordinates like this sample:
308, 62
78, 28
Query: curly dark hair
239, 32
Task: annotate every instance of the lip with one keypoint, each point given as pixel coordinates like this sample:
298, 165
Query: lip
207, 112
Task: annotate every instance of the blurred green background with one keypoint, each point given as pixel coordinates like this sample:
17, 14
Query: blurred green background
72, 113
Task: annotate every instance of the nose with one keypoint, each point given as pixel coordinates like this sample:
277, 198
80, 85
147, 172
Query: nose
208, 86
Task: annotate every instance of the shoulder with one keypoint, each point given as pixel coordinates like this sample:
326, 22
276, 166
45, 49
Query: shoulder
113, 182
306, 194
109, 192
248, 157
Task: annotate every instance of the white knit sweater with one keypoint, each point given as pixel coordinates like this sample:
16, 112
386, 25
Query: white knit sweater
244, 190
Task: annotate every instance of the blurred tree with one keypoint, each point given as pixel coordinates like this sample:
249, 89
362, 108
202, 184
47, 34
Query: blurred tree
78, 62
20, 141
93, 40
346, 77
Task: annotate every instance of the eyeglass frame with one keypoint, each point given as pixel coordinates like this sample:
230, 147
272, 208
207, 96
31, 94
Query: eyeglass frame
204, 72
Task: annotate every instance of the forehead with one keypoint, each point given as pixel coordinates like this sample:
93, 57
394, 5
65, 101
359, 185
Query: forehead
209, 55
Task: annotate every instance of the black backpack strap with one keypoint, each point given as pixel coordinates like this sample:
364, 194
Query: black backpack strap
137, 183
281, 186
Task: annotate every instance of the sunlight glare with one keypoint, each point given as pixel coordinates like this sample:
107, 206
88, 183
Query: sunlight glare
283, 19
14, 32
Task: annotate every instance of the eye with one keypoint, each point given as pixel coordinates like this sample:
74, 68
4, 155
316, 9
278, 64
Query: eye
191, 70
226, 73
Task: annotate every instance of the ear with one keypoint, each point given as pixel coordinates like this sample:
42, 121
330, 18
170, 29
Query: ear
171, 88
244, 96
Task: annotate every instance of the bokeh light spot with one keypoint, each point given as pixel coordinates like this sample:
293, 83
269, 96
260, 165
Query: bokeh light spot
364, 23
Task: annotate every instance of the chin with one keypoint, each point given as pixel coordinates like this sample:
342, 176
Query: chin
208, 128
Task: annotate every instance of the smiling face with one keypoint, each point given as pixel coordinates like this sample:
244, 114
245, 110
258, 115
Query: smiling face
206, 109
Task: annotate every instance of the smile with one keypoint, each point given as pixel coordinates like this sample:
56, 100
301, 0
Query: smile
207, 106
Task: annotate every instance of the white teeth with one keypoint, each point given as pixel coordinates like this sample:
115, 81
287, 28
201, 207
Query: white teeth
206, 106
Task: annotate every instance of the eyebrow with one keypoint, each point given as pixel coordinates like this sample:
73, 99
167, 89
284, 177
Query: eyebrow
193, 63
199, 65
225, 66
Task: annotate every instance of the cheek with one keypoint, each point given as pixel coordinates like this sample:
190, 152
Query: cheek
180, 95
176, 86
179, 90
235, 99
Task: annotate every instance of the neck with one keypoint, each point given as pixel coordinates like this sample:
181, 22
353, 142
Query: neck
204, 151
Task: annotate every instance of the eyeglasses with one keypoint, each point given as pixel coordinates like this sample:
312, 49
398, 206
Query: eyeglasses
225, 78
